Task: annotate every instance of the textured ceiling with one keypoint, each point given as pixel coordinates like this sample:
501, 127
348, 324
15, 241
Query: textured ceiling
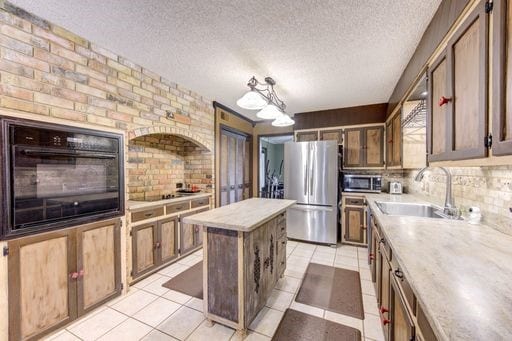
323, 54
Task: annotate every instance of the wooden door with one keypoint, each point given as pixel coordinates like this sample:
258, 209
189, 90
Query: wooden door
235, 167
336, 135
389, 143
231, 170
354, 224
168, 239
397, 139
402, 325
374, 146
305, 136
99, 264
247, 170
353, 147
438, 112
42, 292
239, 168
144, 249
502, 78
468, 53
223, 171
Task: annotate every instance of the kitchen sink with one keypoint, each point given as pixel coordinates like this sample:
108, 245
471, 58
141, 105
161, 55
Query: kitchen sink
412, 209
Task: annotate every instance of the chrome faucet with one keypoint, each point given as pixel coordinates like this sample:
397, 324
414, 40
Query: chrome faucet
449, 206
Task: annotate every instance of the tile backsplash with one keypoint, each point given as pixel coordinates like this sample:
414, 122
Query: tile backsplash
489, 188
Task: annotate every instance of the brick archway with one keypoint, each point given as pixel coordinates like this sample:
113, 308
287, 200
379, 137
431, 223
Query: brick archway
184, 133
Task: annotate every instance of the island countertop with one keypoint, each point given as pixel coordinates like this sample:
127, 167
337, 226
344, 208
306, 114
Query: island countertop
243, 216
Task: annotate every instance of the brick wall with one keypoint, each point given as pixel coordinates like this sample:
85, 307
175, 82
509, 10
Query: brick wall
52, 73
158, 162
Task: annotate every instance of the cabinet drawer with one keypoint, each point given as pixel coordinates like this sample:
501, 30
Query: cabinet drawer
174, 208
147, 214
354, 201
200, 202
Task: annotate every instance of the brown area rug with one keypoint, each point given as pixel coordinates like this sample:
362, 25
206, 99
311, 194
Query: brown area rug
297, 326
189, 282
334, 289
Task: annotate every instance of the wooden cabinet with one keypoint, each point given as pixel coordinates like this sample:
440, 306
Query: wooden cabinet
57, 276
394, 141
384, 290
364, 147
334, 134
502, 78
457, 115
235, 167
153, 245
251, 263
402, 325
306, 136
191, 235
353, 220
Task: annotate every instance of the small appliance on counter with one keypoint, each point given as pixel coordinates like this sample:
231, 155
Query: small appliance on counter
395, 187
362, 183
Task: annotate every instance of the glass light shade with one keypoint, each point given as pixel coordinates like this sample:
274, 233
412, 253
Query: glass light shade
270, 112
252, 101
283, 121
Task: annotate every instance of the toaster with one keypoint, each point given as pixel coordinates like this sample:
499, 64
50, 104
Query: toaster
395, 187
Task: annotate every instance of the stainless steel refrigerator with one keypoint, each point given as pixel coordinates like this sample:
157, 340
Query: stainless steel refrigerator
311, 178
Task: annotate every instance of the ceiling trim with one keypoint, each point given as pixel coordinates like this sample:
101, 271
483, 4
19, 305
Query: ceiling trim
233, 112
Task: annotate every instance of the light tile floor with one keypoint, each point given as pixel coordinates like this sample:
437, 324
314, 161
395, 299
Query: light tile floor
151, 312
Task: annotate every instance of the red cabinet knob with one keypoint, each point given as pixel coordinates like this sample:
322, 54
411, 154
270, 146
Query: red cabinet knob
383, 310
386, 321
372, 256
443, 100
73, 275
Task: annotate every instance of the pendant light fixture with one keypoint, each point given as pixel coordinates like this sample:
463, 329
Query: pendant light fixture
263, 96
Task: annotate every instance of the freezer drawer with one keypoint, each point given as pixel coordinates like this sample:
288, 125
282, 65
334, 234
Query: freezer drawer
312, 223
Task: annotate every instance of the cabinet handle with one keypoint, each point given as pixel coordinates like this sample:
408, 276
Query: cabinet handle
386, 321
383, 241
372, 256
443, 100
148, 214
283, 242
81, 273
384, 310
399, 273
157, 245
73, 275
363, 227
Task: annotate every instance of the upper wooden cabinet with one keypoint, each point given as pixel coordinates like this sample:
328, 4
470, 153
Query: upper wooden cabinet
364, 147
335, 134
394, 141
502, 78
305, 136
457, 115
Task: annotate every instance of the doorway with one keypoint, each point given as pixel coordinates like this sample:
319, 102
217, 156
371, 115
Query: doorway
270, 165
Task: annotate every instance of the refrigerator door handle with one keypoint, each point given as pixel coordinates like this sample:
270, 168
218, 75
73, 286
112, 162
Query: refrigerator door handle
312, 173
305, 179
311, 208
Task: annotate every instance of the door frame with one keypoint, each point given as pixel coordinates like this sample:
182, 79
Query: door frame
258, 185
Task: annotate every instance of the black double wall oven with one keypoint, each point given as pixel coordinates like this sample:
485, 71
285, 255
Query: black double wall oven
58, 176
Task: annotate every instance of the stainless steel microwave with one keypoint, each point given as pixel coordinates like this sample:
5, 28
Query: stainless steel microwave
362, 183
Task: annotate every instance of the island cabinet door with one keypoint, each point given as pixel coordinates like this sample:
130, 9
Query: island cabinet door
168, 239
255, 246
42, 290
144, 249
99, 264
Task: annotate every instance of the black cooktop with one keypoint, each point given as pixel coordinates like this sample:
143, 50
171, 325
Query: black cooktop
166, 196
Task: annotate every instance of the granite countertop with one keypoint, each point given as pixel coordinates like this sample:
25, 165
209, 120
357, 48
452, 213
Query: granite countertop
243, 216
136, 204
460, 273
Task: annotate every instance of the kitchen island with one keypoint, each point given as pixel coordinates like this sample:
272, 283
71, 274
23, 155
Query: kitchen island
244, 247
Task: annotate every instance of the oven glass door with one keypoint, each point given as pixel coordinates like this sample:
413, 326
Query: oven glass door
50, 185
357, 183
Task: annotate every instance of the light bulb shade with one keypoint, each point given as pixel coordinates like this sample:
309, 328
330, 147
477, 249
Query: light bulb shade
252, 101
283, 121
270, 112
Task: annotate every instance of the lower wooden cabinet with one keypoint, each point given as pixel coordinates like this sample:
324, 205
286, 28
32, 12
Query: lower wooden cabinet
58, 276
384, 291
153, 244
353, 220
191, 235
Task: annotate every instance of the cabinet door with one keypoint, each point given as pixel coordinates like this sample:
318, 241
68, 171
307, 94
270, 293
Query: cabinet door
502, 78
373, 250
191, 236
168, 239
305, 136
397, 139
198, 231
354, 224
402, 325
384, 308
254, 257
42, 292
144, 249
389, 144
353, 148
374, 146
336, 135
461, 104
99, 264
